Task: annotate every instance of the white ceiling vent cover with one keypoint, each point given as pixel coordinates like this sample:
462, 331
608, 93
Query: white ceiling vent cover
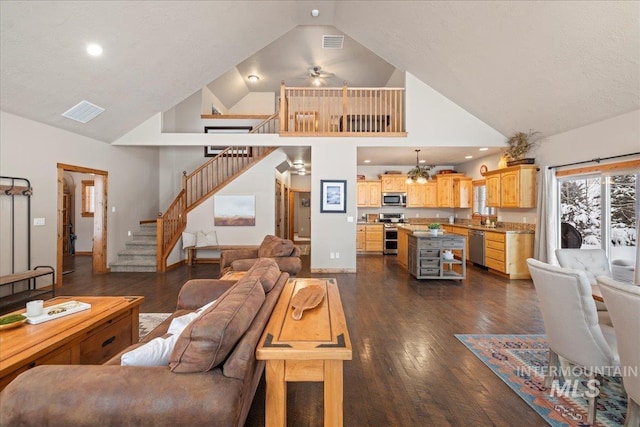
83, 112
332, 42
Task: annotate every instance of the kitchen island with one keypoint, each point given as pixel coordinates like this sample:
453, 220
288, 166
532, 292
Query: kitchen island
432, 256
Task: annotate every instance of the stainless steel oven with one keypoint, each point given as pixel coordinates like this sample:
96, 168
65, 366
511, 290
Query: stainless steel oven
390, 239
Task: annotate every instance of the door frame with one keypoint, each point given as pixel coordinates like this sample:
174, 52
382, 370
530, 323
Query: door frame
99, 250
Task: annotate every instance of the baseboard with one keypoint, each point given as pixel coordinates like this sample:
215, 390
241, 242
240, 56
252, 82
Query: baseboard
84, 253
175, 265
333, 270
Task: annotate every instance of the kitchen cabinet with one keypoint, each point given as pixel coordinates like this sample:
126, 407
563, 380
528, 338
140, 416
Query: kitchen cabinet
369, 237
454, 190
403, 249
368, 194
426, 258
394, 183
512, 187
422, 195
507, 253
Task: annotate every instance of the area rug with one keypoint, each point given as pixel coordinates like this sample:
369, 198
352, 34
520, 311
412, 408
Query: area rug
148, 321
521, 361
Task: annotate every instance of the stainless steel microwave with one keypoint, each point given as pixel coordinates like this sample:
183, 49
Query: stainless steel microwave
394, 199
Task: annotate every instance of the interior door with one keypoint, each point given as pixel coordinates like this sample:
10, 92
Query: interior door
278, 217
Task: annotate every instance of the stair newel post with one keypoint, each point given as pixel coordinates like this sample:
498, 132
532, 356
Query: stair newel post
160, 243
184, 185
284, 123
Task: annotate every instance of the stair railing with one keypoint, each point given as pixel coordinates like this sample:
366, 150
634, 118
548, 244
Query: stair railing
197, 187
270, 125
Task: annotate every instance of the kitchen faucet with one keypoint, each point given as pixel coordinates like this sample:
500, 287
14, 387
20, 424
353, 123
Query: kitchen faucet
481, 217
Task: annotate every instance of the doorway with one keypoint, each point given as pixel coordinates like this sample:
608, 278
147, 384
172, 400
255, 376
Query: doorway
99, 229
300, 216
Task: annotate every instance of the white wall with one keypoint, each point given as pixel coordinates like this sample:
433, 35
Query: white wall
332, 232
255, 103
32, 150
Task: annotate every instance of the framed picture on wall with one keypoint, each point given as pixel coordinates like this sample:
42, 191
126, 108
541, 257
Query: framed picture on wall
333, 196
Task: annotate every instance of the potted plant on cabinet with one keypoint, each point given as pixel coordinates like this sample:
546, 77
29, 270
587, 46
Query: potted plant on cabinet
520, 144
434, 227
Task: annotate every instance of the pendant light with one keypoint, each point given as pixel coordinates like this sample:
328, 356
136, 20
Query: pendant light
419, 174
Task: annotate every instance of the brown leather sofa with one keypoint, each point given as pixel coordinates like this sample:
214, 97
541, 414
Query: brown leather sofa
282, 251
188, 392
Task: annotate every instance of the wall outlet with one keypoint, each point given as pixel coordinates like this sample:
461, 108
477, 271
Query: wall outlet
332, 255
349, 219
499, 218
113, 208
417, 215
37, 222
337, 255
129, 233
437, 215
524, 219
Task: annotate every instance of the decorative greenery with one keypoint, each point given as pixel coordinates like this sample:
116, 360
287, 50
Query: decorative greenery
434, 226
521, 143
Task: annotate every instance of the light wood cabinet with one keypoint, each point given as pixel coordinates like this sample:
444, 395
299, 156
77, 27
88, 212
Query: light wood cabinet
454, 190
403, 247
394, 183
507, 253
368, 194
369, 238
422, 195
512, 187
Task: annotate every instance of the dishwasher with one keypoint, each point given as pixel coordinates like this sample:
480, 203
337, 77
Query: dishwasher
476, 246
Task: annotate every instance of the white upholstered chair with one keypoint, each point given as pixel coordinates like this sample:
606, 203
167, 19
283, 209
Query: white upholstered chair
593, 262
623, 300
571, 322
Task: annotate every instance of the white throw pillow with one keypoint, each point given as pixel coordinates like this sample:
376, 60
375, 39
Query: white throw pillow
154, 353
157, 351
188, 239
206, 239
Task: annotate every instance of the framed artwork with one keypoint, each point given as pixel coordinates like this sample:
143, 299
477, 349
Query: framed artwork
227, 129
234, 210
333, 196
212, 151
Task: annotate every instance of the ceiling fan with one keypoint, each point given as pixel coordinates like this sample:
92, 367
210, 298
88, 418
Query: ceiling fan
316, 75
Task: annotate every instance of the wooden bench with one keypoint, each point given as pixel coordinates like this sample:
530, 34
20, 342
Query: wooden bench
192, 252
32, 290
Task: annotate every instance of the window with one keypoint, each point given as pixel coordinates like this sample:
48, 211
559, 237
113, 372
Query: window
480, 199
88, 198
600, 211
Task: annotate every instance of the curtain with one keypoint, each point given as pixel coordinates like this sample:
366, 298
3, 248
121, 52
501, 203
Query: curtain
547, 222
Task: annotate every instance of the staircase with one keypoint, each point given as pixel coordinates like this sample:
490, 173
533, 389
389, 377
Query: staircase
140, 253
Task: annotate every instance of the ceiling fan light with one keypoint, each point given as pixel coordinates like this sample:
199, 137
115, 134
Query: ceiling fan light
316, 81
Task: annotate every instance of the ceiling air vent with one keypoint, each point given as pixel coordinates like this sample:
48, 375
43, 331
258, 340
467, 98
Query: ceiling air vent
332, 42
83, 112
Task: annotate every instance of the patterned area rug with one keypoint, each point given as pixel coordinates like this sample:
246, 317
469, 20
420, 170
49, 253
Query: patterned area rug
148, 321
521, 361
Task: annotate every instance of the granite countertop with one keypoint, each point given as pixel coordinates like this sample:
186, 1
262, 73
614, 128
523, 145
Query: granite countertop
503, 230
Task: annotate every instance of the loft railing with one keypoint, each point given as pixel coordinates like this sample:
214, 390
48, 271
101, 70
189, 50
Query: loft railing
341, 111
197, 187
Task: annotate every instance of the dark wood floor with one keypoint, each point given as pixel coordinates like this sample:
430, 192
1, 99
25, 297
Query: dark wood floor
408, 369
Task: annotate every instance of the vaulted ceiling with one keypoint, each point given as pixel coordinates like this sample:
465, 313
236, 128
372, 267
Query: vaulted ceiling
551, 66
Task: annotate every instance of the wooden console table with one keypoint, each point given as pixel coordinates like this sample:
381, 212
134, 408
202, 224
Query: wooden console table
310, 349
87, 337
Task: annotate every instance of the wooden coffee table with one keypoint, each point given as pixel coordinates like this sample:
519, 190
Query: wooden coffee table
87, 337
310, 349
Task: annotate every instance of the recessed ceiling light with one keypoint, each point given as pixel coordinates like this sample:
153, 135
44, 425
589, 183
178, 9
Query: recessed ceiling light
367, 161
253, 78
298, 164
94, 49
468, 157
302, 172
484, 149
315, 13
